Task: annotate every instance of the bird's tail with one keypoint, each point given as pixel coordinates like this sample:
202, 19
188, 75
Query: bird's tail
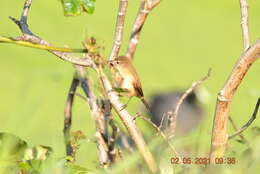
146, 104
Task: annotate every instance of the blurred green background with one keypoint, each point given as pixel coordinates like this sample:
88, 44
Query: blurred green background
180, 41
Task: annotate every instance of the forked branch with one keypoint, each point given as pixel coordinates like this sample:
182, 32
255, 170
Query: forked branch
30, 37
146, 7
174, 115
219, 131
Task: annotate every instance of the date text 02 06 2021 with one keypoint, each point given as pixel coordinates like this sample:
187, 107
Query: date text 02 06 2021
202, 160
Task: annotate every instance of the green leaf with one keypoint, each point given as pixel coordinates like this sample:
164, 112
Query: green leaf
38, 152
88, 6
12, 148
24, 166
76, 7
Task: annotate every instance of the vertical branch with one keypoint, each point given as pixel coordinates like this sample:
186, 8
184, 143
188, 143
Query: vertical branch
97, 114
145, 8
244, 23
225, 96
68, 116
112, 140
119, 28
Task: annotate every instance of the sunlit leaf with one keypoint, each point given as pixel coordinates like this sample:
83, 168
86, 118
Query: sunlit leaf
76, 7
12, 148
88, 6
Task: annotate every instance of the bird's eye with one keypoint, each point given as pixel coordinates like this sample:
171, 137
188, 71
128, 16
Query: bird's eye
117, 62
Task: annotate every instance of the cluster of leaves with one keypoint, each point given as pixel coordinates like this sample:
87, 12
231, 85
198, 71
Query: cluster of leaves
77, 7
17, 157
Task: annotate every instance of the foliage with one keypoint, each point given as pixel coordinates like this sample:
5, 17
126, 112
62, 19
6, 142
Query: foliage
76, 7
16, 155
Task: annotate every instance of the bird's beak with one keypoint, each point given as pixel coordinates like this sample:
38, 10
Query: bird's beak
111, 62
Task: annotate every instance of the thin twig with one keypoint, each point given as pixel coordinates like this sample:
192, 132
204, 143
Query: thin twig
173, 115
119, 28
244, 23
40, 46
161, 133
146, 7
224, 98
162, 121
250, 121
68, 116
81, 96
243, 138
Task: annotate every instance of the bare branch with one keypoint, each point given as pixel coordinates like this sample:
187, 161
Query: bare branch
250, 121
219, 131
173, 115
39, 46
98, 116
146, 7
119, 28
22, 23
68, 116
243, 138
112, 140
161, 133
162, 121
30, 37
244, 23
109, 146
62, 55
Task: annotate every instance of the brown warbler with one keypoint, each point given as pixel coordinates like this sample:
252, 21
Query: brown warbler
127, 79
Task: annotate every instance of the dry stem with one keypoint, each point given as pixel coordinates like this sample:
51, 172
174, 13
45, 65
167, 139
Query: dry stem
68, 116
173, 115
119, 28
244, 23
146, 7
219, 131
250, 121
243, 138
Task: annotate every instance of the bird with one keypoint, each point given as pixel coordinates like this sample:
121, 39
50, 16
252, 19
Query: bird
127, 79
190, 114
